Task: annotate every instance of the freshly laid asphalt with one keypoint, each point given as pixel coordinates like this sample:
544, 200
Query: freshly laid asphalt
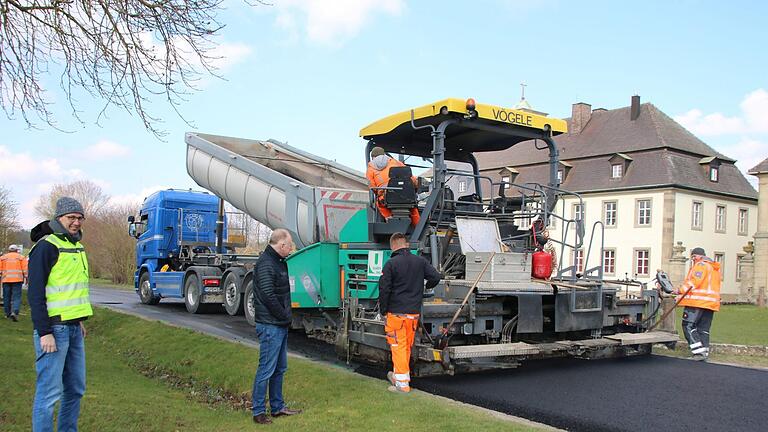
649, 393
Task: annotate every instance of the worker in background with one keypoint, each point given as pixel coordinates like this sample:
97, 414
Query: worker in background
378, 177
59, 302
13, 273
401, 291
701, 299
272, 305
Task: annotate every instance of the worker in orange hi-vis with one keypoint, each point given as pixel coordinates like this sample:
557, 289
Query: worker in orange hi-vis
700, 293
378, 177
13, 273
401, 292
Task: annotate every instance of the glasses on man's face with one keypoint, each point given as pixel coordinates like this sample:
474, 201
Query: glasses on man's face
75, 218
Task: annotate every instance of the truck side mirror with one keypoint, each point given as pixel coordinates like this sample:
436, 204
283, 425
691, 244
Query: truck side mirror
136, 229
131, 219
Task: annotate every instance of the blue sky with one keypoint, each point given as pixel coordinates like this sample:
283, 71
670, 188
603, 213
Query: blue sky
313, 72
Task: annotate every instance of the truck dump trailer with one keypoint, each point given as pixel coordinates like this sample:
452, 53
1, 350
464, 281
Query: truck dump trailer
488, 312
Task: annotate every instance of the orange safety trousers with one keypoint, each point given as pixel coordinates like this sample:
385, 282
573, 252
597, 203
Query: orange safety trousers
401, 329
387, 213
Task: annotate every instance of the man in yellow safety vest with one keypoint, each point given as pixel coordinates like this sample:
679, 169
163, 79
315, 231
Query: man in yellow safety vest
59, 303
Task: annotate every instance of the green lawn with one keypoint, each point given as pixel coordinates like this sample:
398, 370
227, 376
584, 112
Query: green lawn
147, 376
736, 324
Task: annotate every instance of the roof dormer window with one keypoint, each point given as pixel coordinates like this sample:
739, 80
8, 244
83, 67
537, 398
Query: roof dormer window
619, 164
712, 166
562, 171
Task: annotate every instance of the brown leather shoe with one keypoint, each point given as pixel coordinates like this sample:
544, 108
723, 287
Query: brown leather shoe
262, 419
286, 412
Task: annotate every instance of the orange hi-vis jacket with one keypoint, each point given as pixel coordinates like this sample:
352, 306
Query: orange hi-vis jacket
380, 178
13, 267
704, 277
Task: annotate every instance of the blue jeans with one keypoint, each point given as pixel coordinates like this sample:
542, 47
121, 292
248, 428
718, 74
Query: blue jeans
11, 290
60, 375
273, 362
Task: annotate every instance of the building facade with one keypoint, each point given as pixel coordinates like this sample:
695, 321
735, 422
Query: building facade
644, 184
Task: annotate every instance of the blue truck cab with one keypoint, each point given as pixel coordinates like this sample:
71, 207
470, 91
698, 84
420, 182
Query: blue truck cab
176, 253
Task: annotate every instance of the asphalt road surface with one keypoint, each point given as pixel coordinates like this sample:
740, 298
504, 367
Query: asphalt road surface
650, 393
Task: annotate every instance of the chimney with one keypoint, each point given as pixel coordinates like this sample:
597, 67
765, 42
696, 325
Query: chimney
634, 111
580, 115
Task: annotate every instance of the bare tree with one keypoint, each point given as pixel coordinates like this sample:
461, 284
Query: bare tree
258, 236
88, 193
9, 216
112, 252
124, 52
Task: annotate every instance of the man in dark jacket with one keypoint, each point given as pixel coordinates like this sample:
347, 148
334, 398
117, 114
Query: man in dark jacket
401, 291
272, 304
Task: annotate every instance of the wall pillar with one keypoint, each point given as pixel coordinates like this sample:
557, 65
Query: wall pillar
676, 272
747, 281
761, 236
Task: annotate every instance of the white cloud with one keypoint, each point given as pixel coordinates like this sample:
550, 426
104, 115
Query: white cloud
219, 55
753, 118
748, 152
755, 108
710, 124
136, 198
105, 149
28, 176
22, 167
333, 23
226, 55
743, 137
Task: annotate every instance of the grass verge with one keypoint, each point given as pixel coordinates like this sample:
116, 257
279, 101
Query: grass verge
147, 376
107, 283
741, 360
736, 324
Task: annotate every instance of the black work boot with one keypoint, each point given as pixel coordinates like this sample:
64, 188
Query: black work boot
286, 412
262, 419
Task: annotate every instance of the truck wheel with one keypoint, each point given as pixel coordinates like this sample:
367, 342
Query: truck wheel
192, 295
233, 297
145, 291
250, 311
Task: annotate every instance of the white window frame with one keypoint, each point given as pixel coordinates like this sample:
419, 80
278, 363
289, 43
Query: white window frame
636, 257
581, 213
739, 267
697, 219
743, 225
617, 171
505, 180
714, 174
638, 222
615, 213
579, 260
720, 222
612, 259
559, 176
462, 186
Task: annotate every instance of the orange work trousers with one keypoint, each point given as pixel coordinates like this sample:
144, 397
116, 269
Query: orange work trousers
400, 329
387, 213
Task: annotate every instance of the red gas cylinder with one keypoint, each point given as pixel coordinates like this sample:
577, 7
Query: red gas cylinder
542, 265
